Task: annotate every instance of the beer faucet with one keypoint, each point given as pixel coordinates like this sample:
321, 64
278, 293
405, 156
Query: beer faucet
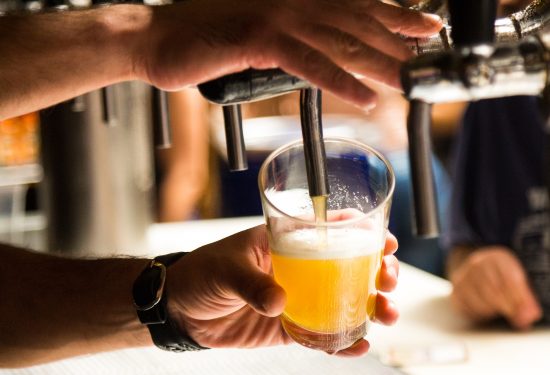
474, 57
475, 68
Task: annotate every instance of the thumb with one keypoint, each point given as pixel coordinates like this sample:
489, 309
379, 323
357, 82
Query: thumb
257, 289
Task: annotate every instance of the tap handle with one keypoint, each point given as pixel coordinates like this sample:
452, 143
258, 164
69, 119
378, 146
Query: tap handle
472, 22
162, 133
250, 85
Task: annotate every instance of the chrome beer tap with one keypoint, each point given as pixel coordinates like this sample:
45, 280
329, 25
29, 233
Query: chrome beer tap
482, 61
475, 56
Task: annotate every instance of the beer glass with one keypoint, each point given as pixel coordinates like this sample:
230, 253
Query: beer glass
328, 269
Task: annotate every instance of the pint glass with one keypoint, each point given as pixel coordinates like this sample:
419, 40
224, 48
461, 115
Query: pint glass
328, 269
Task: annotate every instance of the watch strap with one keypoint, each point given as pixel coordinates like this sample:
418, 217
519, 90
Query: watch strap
164, 331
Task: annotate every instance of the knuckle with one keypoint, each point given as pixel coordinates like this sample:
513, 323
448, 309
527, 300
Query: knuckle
348, 46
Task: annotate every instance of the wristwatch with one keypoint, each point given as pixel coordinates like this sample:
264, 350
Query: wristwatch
150, 301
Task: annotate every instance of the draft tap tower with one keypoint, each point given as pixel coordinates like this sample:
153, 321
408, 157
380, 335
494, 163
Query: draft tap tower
475, 68
461, 63
472, 23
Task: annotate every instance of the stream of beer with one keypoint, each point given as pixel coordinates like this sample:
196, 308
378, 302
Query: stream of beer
320, 211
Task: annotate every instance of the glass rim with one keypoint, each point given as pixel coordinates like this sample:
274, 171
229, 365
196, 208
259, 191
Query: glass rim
300, 142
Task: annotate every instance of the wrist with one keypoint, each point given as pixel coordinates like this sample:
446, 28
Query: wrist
151, 301
125, 33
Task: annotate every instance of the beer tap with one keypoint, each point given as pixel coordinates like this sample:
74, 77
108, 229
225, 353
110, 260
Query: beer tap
476, 68
474, 57
246, 86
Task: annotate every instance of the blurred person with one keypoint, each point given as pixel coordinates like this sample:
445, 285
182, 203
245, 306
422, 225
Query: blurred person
57, 307
498, 235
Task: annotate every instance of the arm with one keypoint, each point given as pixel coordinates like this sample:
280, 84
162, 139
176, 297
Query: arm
51, 57
488, 282
53, 308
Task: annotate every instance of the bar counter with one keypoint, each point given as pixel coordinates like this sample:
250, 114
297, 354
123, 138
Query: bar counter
429, 338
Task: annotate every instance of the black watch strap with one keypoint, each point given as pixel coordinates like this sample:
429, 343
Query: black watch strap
150, 300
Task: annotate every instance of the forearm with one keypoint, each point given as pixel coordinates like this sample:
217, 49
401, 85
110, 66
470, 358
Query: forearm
54, 308
51, 57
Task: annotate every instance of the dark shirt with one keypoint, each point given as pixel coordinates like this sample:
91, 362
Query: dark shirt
499, 197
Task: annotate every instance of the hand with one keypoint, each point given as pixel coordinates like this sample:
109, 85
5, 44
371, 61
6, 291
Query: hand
223, 294
491, 282
323, 41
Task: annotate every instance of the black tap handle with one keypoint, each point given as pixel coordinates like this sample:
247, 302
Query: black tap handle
472, 21
250, 85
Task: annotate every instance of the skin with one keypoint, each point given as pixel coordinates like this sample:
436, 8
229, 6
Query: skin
56, 307
51, 57
222, 294
489, 282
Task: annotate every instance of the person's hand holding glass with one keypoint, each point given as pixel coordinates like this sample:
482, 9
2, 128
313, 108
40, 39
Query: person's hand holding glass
328, 269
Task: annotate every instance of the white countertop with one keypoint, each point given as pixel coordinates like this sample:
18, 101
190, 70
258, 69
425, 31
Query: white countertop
426, 323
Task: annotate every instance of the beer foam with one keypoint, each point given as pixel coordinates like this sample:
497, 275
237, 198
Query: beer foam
314, 243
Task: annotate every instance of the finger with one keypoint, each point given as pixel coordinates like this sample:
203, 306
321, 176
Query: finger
354, 55
386, 312
403, 20
526, 309
257, 289
344, 214
461, 305
495, 286
469, 299
351, 33
301, 60
389, 271
359, 348
391, 244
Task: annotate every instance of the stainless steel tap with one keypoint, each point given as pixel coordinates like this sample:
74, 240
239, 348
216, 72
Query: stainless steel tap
475, 56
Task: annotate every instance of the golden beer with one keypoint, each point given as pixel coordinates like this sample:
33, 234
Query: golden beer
330, 282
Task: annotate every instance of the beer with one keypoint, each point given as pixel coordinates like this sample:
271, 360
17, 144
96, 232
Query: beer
319, 203
330, 282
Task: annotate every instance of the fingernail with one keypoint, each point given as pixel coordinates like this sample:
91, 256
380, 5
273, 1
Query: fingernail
434, 18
